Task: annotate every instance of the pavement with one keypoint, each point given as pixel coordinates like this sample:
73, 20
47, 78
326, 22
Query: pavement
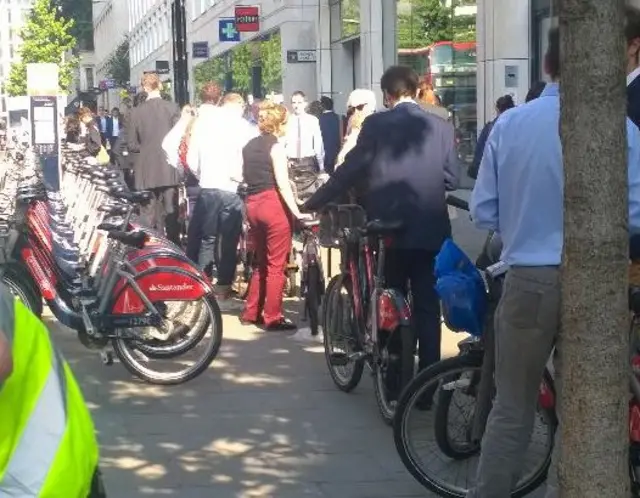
264, 421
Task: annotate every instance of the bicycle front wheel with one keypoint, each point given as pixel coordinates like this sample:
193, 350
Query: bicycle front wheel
452, 381
312, 297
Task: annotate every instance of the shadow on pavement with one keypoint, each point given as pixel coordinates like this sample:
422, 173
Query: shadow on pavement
265, 420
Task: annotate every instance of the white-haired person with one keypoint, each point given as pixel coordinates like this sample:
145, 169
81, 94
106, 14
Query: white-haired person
361, 104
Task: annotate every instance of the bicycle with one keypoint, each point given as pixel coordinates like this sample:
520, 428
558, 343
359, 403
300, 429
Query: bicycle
365, 322
471, 374
103, 276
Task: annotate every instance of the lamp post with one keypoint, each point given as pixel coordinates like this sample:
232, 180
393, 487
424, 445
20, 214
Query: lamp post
180, 61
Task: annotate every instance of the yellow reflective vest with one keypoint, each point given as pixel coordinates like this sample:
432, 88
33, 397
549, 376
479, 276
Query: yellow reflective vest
48, 447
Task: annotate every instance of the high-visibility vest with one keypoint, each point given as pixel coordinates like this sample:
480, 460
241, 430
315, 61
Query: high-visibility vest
48, 447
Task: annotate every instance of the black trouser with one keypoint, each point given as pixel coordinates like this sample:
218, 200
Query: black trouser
404, 267
97, 486
217, 216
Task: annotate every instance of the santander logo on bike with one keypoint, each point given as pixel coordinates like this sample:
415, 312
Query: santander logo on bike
170, 287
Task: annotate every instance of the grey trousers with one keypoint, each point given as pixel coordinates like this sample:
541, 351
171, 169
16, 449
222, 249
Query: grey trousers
527, 323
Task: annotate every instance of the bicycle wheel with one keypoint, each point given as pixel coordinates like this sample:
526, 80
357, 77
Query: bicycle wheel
20, 284
414, 433
312, 297
328, 293
341, 343
130, 349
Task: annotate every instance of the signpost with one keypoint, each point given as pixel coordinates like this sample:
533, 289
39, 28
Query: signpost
247, 19
200, 50
42, 88
227, 31
296, 56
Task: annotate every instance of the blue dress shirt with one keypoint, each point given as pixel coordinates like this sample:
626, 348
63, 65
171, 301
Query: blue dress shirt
519, 190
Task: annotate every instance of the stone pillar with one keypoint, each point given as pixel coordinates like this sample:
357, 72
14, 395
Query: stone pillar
371, 45
323, 53
298, 35
503, 54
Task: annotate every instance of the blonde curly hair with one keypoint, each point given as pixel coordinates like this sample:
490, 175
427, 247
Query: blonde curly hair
272, 118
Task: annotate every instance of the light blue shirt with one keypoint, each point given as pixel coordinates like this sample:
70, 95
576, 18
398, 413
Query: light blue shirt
519, 190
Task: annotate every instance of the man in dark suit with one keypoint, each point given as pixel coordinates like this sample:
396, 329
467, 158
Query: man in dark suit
632, 34
150, 122
331, 129
401, 167
105, 126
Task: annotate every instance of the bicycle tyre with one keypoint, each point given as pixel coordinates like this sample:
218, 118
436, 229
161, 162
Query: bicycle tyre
19, 282
124, 351
312, 298
335, 313
328, 293
400, 433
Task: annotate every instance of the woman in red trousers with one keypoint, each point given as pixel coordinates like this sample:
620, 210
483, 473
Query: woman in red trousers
270, 207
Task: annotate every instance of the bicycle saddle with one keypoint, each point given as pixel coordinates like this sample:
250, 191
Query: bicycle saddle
114, 209
379, 227
135, 239
140, 197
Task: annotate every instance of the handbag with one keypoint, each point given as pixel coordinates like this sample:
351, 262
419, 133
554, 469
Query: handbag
103, 156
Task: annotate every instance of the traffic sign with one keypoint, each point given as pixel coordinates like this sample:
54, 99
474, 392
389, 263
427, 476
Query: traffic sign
227, 31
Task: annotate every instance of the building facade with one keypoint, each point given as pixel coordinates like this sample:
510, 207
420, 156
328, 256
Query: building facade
150, 40
110, 30
13, 14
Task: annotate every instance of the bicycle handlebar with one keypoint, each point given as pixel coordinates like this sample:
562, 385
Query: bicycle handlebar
457, 202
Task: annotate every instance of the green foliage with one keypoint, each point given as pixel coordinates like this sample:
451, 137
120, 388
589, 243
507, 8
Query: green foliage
429, 21
82, 14
118, 67
46, 38
266, 53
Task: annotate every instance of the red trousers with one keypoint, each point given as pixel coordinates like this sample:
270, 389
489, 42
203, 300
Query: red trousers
271, 234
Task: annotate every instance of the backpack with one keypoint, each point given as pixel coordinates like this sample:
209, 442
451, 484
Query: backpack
461, 289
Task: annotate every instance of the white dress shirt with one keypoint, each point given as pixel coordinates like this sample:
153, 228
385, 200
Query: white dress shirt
215, 148
304, 138
633, 75
116, 127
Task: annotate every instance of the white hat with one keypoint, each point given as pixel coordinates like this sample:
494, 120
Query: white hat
360, 96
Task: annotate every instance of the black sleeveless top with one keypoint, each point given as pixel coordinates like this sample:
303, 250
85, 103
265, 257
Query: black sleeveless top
257, 167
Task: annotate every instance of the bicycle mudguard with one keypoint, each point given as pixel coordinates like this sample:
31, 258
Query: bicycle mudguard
152, 257
43, 276
159, 283
393, 310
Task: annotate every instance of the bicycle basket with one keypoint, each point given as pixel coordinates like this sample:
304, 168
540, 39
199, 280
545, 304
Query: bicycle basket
334, 220
461, 290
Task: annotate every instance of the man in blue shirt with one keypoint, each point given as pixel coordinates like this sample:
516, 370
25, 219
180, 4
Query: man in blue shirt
519, 193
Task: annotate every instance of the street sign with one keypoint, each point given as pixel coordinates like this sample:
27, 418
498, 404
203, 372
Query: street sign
200, 50
227, 31
162, 67
295, 56
247, 19
110, 83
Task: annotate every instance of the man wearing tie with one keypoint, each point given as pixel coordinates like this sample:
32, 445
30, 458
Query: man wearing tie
105, 126
304, 146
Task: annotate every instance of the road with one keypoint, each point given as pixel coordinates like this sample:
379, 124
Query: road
264, 421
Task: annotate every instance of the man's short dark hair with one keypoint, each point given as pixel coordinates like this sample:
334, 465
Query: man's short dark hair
552, 57
631, 24
327, 103
210, 93
400, 81
299, 93
535, 91
505, 103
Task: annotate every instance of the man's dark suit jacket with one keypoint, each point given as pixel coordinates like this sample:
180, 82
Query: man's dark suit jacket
149, 124
633, 101
401, 167
330, 127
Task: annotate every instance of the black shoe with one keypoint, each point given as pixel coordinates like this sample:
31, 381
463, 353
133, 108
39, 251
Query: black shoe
282, 325
259, 321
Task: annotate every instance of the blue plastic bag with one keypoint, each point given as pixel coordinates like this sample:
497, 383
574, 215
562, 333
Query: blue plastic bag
461, 290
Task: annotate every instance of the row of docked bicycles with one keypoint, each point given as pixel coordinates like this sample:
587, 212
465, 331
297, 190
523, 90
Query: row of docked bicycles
439, 415
125, 290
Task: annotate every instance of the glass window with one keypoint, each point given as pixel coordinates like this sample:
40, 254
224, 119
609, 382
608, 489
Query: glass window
88, 75
350, 18
437, 38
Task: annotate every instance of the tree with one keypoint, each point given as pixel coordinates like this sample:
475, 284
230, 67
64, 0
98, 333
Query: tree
271, 61
81, 11
46, 38
593, 344
118, 67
